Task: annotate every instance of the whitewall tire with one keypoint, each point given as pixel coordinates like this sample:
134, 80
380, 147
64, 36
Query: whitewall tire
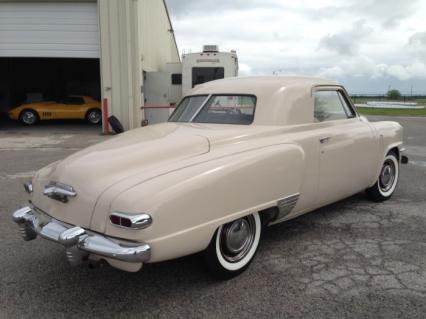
233, 246
386, 183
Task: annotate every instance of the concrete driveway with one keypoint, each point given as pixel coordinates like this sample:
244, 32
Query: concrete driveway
353, 259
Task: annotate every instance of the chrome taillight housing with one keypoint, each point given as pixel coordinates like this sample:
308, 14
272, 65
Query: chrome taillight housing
130, 221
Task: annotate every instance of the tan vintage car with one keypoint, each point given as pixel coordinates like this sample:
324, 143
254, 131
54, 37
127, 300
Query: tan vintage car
236, 155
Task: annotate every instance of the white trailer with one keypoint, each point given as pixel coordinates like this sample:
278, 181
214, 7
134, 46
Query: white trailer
163, 90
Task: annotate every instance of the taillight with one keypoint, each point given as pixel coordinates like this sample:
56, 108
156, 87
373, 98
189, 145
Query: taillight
116, 220
131, 221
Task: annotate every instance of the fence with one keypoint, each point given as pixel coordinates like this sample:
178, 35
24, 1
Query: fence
362, 98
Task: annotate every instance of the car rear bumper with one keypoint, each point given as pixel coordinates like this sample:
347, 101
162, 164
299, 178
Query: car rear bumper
78, 242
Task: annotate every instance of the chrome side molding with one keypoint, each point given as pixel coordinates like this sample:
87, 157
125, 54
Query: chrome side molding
59, 191
286, 205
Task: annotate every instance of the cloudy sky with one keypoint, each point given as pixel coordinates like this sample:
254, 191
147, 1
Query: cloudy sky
368, 45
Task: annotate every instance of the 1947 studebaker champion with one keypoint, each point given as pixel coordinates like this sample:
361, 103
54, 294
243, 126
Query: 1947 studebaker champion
236, 155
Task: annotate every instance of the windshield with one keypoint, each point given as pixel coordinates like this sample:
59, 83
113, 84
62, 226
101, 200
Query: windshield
217, 109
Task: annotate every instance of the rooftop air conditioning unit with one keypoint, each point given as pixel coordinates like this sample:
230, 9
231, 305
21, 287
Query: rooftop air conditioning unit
210, 48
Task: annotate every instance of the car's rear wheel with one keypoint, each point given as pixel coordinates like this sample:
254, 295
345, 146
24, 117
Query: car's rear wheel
387, 180
233, 246
94, 116
28, 117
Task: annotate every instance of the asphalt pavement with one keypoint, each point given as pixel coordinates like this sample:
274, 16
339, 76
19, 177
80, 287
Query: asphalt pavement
352, 259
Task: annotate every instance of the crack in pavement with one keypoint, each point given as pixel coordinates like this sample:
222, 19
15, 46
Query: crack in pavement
336, 267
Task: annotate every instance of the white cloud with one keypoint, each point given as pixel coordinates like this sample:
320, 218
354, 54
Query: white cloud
366, 42
365, 67
347, 42
244, 69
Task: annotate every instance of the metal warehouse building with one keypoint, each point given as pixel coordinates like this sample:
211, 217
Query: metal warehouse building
98, 48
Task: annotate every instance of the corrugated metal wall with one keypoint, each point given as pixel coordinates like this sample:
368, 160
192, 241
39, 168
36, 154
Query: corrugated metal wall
49, 29
157, 38
135, 36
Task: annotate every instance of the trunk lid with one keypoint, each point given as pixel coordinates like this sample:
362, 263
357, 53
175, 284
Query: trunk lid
93, 170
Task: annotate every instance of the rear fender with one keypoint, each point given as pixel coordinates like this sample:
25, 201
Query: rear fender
188, 205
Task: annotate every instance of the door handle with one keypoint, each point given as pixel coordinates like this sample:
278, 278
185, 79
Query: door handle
324, 139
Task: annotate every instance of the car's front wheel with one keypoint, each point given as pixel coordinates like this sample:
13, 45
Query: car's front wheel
388, 178
28, 117
233, 246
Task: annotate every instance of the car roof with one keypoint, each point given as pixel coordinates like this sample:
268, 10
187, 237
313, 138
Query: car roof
281, 100
259, 84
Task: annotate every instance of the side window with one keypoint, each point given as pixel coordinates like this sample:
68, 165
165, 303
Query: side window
73, 100
330, 106
348, 109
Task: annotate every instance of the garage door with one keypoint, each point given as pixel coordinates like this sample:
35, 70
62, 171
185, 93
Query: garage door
49, 30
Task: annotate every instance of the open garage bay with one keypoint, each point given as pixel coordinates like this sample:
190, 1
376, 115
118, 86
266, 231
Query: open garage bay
26, 80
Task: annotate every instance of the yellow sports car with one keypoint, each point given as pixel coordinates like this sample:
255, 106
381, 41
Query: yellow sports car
71, 107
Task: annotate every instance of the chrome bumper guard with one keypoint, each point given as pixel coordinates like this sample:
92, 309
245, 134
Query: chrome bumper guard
78, 242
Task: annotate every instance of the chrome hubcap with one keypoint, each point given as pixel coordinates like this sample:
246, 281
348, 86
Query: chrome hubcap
387, 175
28, 118
94, 117
236, 238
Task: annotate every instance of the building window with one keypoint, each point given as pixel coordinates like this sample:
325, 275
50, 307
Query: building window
177, 79
202, 75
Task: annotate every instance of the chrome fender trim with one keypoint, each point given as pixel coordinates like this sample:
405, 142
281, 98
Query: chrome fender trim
286, 205
59, 191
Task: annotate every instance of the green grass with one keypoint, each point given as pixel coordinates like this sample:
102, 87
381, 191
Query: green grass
421, 101
394, 112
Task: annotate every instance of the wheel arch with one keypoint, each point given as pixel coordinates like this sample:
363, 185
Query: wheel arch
394, 149
92, 108
29, 109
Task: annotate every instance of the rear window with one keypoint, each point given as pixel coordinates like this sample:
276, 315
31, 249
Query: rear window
228, 109
187, 109
216, 109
